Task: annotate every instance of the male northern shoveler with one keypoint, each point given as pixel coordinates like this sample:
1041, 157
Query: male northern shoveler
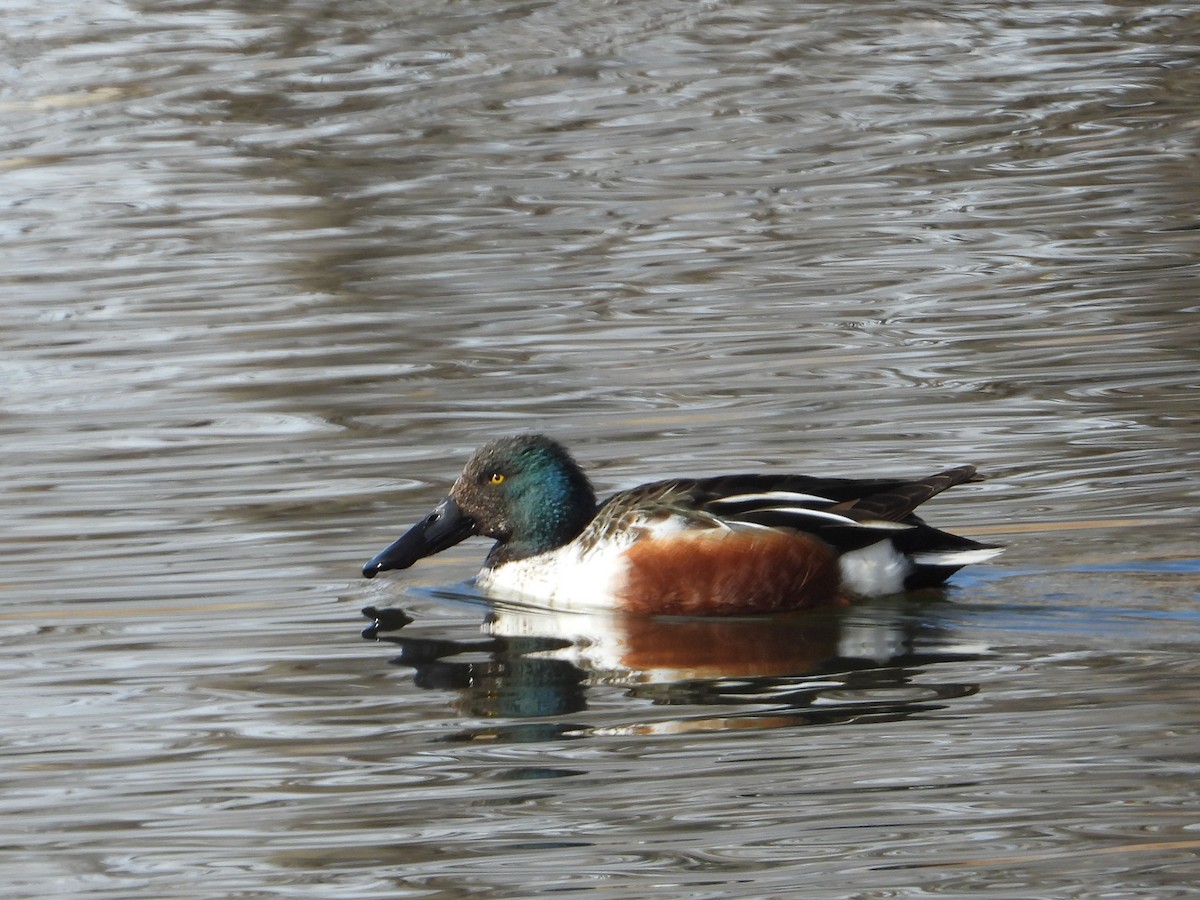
705, 546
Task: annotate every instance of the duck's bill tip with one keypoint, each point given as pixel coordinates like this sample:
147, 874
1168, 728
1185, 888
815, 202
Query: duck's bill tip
442, 528
411, 546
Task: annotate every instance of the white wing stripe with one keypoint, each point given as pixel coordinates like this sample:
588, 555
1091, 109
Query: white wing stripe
805, 513
773, 497
956, 557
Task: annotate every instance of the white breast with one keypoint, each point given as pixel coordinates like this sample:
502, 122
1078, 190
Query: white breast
567, 577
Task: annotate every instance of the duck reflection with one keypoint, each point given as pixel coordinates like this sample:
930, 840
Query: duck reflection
761, 672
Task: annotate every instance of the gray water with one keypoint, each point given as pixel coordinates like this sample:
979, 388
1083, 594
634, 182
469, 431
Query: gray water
270, 271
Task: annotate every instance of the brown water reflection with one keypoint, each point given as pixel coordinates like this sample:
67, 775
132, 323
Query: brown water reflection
271, 271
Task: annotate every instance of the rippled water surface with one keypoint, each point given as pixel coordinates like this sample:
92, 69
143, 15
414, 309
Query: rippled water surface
271, 270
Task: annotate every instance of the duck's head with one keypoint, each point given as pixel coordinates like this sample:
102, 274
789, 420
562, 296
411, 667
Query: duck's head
526, 492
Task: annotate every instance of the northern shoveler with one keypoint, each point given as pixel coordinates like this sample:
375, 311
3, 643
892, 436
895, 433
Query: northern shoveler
704, 546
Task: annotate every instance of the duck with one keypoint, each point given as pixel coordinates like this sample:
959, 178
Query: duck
723, 545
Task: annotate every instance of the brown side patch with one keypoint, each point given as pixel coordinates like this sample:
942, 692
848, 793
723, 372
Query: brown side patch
723, 573
721, 647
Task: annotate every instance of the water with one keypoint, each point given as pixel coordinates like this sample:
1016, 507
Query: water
271, 271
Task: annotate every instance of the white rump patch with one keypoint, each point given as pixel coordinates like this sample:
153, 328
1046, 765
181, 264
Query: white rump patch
874, 570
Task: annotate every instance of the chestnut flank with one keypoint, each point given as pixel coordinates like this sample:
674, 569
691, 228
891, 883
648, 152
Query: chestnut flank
723, 573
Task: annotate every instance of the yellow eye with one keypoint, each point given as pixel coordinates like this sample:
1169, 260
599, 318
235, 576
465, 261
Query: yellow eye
496, 478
